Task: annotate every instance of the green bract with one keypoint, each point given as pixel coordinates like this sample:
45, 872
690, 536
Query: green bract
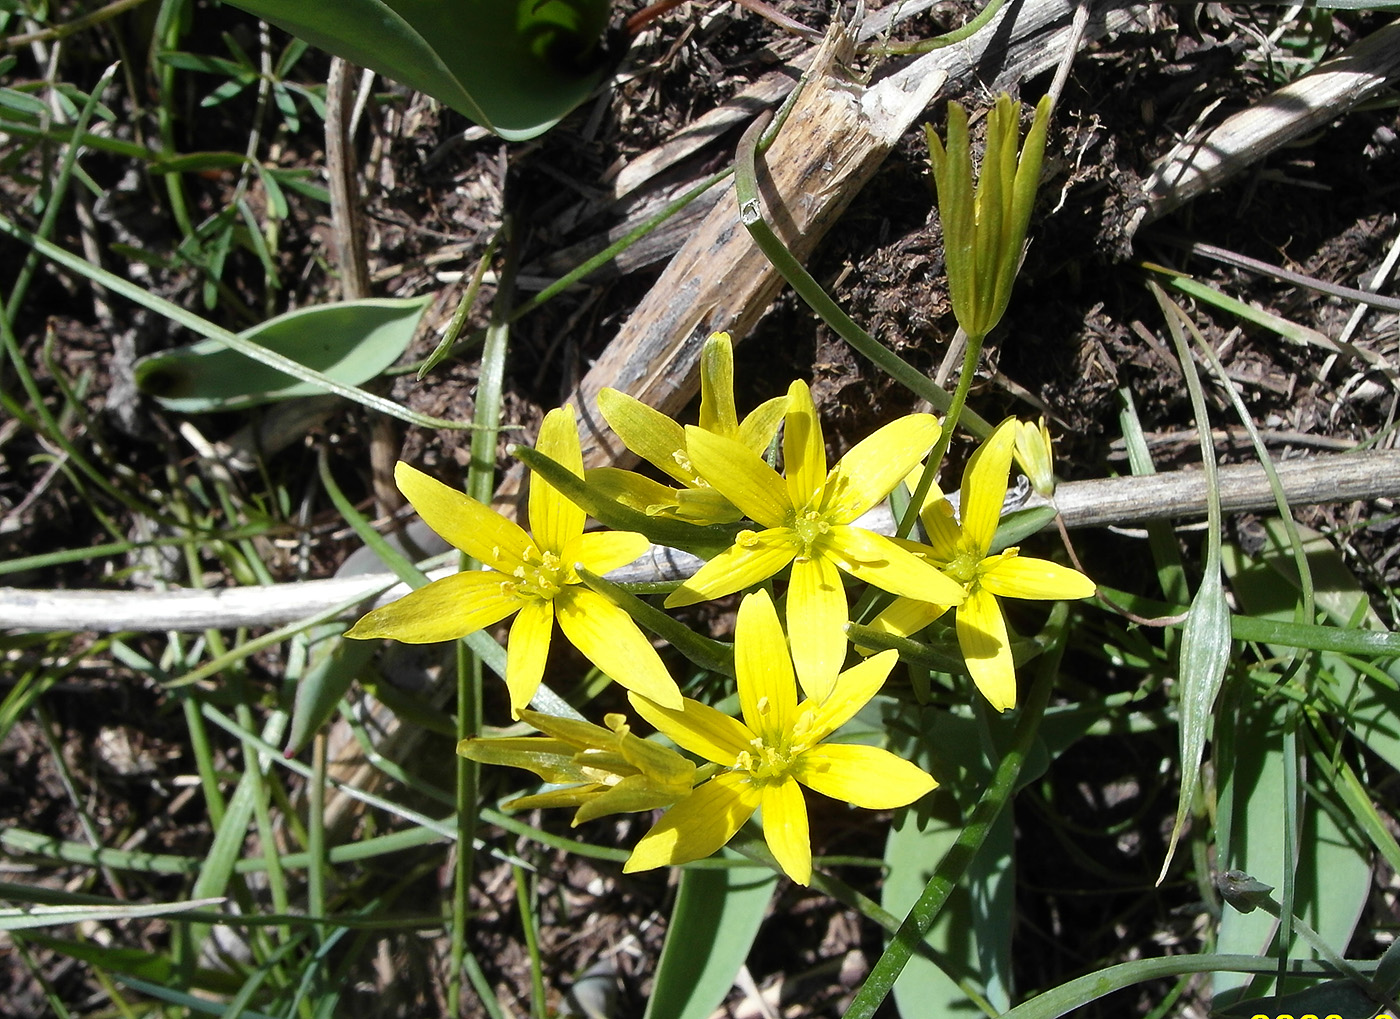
514, 67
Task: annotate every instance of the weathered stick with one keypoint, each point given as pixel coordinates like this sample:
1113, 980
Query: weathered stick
1327, 478
1318, 97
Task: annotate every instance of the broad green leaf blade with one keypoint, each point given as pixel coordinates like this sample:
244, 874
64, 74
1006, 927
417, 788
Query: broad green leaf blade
1333, 868
350, 342
1368, 707
514, 66
972, 936
717, 916
319, 691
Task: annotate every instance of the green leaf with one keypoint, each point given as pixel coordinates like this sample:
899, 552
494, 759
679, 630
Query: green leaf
717, 916
1333, 870
17, 918
972, 936
514, 67
350, 342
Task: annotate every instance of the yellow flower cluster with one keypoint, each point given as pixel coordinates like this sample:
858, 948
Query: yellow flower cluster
803, 523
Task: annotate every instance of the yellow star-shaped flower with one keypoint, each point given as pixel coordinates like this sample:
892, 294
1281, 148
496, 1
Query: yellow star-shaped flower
532, 576
778, 745
807, 519
660, 441
963, 550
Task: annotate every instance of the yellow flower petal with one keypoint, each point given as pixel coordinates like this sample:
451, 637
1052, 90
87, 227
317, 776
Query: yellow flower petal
982, 638
758, 428
851, 692
647, 432
528, 650
907, 616
785, 829
1036, 456
1015, 576
466, 524
698, 825
443, 610
941, 526
816, 618
611, 640
804, 449
984, 487
576, 732
603, 551
698, 728
740, 475
717, 413
755, 558
873, 466
767, 687
877, 560
868, 777
554, 520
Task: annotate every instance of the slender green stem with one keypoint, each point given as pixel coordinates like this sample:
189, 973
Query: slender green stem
751, 215
316, 834
935, 458
481, 482
532, 943
952, 867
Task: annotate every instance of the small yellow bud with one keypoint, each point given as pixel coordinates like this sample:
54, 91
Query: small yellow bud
1035, 456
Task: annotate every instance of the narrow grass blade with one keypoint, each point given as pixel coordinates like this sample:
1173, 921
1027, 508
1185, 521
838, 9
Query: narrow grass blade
19, 918
206, 328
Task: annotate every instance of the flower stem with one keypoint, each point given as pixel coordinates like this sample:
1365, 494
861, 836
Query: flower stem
940, 449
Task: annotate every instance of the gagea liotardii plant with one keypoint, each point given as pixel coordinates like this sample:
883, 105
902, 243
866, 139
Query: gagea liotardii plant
961, 547
531, 575
807, 515
777, 747
660, 441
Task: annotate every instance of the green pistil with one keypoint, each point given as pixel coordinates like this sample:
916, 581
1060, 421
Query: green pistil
542, 575
809, 526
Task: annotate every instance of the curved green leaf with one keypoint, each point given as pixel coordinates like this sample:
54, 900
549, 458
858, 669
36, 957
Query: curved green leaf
350, 342
514, 67
717, 916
